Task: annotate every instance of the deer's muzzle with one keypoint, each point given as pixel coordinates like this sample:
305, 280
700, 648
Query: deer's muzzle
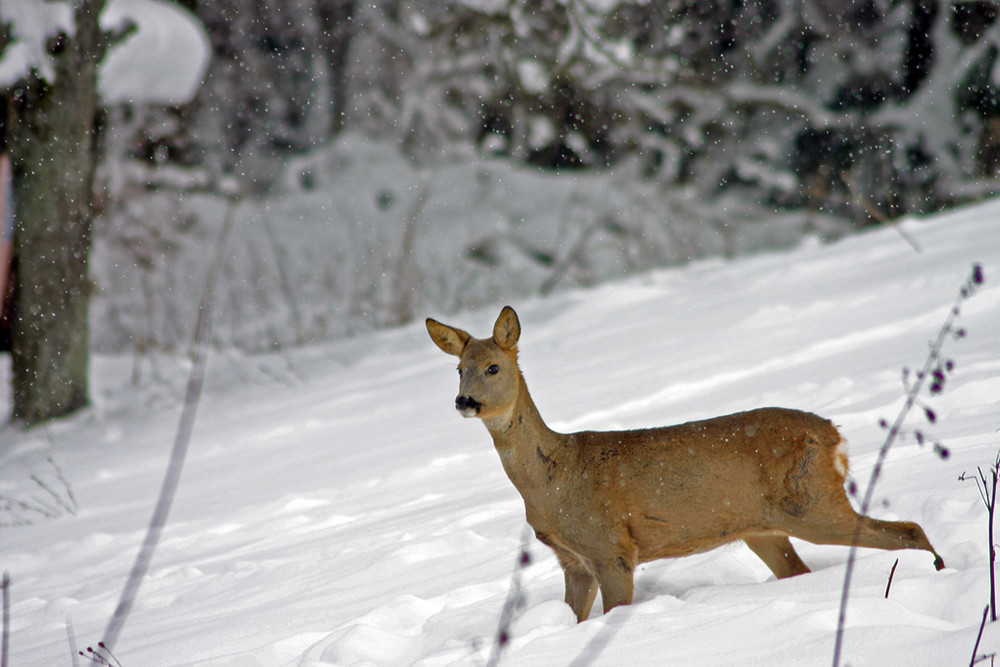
468, 406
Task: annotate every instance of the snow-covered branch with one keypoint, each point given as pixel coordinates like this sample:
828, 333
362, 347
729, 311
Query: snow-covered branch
162, 61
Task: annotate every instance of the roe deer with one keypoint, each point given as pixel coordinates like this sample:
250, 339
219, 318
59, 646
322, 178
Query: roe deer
607, 501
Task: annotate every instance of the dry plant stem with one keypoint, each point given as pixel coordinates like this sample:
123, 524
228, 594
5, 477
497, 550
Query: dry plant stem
513, 600
878, 215
979, 637
285, 282
894, 432
101, 656
870, 492
570, 259
892, 572
5, 645
51, 505
181, 441
988, 492
406, 274
71, 505
991, 506
74, 653
63, 505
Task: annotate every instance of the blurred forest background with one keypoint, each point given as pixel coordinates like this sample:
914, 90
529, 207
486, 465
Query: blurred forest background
384, 160
862, 109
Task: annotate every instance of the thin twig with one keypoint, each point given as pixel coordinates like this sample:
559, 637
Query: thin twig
513, 600
878, 215
563, 265
196, 381
933, 358
993, 547
50, 506
102, 655
71, 638
5, 643
979, 637
406, 273
66, 486
892, 572
285, 282
988, 492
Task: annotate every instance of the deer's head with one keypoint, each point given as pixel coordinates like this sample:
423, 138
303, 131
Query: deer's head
489, 379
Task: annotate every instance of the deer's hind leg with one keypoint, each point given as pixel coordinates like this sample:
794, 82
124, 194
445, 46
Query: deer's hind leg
880, 534
778, 554
816, 508
837, 523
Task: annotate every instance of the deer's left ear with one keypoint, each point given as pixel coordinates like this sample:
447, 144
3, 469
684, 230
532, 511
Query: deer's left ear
507, 329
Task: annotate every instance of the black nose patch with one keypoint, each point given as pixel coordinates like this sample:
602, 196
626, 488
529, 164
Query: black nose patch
463, 403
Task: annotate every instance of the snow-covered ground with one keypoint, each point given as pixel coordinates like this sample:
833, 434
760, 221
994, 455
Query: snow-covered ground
335, 510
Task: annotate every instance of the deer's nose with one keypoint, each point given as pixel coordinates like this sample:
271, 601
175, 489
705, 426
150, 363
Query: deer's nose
467, 405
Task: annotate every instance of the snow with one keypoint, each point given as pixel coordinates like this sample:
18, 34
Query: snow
335, 510
357, 237
163, 61
32, 23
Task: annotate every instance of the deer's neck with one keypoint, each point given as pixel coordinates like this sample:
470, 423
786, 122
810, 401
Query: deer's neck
529, 450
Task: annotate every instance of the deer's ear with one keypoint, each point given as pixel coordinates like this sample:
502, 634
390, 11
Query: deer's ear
507, 329
449, 339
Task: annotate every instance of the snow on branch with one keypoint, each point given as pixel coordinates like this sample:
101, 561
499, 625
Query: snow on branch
162, 61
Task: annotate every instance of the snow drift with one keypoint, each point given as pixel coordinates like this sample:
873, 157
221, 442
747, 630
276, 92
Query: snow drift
335, 510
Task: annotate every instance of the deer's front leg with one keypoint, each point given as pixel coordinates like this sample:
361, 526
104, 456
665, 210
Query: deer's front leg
581, 589
616, 581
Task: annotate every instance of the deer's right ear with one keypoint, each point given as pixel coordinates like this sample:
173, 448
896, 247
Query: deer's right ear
449, 339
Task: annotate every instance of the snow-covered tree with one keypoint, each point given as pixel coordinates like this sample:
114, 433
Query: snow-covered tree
276, 85
55, 69
862, 109
867, 110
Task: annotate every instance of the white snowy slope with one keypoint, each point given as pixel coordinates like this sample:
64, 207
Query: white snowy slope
336, 510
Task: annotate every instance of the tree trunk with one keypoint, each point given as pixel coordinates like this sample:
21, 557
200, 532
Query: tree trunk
336, 19
54, 150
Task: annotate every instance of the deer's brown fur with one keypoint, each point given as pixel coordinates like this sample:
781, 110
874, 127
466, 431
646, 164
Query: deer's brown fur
607, 501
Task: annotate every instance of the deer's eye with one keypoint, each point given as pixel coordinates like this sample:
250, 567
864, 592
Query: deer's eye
493, 370
459, 372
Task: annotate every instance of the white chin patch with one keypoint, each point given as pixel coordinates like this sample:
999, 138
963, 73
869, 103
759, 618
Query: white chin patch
469, 412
